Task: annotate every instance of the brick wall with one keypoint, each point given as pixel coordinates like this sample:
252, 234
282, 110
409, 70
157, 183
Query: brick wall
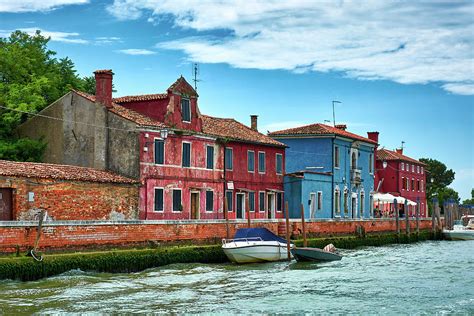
72, 200
80, 235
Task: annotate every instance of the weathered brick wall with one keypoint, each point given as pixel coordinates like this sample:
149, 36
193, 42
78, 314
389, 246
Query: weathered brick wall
72, 200
77, 235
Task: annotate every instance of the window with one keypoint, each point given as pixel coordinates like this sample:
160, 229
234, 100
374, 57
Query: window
209, 201
261, 201
320, 200
421, 170
230, 204
418, 185
354, 160
413, 184
279, 201
261, 162
186, 110
312, 205
417, 169
337, 202
403, 184
158, 200
346, 202
279, 163
186, 158
371, 205
250, 161
402, 166
422, 186
362, 200
407, 186
177, 207
371, 163
210, 157
412, 168
229, 159
336, 157
252, 201
159, 151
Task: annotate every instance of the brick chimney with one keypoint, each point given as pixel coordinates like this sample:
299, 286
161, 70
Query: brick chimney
341, 126
253, 122
103, 87
373, 136
399, 151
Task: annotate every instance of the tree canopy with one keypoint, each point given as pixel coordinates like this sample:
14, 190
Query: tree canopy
442, 177
471, 200
30, 79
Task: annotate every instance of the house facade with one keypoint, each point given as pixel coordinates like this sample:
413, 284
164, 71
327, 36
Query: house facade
188, 164
330, 171
402, 176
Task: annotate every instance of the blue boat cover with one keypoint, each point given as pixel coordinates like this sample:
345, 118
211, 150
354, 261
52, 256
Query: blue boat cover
263, 233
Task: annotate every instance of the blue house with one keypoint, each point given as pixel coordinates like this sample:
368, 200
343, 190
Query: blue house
329, 170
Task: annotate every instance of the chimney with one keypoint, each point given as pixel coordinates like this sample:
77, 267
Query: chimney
253, 122
342, 127
399, 151
103, 87
373, 136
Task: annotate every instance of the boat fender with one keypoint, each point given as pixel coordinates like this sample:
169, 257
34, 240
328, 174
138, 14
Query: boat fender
329, 248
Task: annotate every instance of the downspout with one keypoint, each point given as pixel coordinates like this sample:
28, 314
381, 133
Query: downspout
146, 198
332, 180
224, 211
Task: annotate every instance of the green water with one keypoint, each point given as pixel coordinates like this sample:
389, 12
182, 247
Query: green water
423, 278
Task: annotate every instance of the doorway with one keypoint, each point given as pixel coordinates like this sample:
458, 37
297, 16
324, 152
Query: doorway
271, 205
6, 205
194, 205
312, 205
240, 205
354, 206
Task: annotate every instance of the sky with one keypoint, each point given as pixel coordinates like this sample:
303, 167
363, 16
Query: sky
404, 69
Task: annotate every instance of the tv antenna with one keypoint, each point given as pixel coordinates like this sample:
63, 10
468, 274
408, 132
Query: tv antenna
196, 72
334, 112
403, 144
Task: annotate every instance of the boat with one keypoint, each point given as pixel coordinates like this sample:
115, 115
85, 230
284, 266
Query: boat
252, 245
461, 231
316, 254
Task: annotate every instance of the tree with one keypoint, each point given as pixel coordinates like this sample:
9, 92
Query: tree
30, 79
471, 200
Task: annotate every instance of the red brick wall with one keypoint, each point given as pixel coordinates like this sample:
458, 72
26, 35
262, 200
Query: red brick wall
89, 235
72, 200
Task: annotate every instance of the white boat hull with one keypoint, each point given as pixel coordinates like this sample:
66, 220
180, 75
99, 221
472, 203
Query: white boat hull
258, 251
459, 234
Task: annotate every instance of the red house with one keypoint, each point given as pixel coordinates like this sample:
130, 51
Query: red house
189, 162
402, 176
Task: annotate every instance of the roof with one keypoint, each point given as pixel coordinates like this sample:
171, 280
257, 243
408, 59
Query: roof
62, 172
230, 128
320, 129
143, 97
385, 154
126, 113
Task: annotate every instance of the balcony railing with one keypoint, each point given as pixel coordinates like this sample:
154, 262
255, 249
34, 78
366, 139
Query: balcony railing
356, 175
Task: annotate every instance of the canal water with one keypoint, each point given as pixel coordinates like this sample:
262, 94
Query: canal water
423, 278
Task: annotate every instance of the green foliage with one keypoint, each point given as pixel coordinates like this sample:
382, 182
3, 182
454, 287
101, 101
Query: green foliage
30, 79
471, 200
442, 177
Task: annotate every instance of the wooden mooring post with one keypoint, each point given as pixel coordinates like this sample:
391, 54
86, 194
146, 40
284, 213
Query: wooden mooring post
407, 219
433, 215
226, 216
247, 207
396, 214
287, 217
417, 214
303, 226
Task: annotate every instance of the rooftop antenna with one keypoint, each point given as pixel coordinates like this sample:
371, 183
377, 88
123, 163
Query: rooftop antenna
195, 75
333, 112
403, 144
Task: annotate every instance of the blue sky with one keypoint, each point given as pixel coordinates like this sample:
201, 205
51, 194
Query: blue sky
403, 69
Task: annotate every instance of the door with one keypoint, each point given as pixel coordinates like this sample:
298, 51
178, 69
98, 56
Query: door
6, 205
271, 205
194, 205
312, 205
240, 205
354, 207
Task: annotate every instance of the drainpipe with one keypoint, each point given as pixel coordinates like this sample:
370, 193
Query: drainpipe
225, 192
332, 180
146, 198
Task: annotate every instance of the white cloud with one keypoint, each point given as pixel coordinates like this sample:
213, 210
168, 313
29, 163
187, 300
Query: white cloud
105, 40
135, 51
406, 42
18, 6
64, 37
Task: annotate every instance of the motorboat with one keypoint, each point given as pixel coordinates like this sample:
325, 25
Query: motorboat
328, 253
251, 245
461, 231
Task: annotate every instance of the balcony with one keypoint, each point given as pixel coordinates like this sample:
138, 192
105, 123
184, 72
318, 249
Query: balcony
356, 176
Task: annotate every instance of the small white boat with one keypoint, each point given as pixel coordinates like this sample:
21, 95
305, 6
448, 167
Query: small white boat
251, 245
461, 232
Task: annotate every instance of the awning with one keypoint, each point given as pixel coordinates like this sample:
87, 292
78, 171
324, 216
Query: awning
388, 198
275, 190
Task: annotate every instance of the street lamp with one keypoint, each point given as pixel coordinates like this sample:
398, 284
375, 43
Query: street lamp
384, 164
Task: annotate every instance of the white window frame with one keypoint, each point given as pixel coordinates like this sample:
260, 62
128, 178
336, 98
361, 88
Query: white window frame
337, 164
205, 206
231, 155
413, 183
313, 205
421, 169
164, 151
421, 186
337, 206
190, 110
154, 198
172, 200
319, 196
417, 169
232, 206
276, 163
251, 151
413, 168
264, 162
361, 203
402, 166
190, 153
213, 158
264, 202
254, 200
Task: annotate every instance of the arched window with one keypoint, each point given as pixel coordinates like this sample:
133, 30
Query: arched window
354, 160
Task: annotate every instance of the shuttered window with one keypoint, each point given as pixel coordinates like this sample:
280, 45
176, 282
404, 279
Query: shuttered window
186, 159
186, 110
230, 204
250, 161
261, 162
279, 201
229, 164
159, 151
159, 200
210, 157
279, 163
261, 201
209, 201
252, 201
177, 207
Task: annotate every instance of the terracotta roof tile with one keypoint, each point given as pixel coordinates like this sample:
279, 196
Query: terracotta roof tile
63, 172
320, 129
385, 154
230, 128
138, 98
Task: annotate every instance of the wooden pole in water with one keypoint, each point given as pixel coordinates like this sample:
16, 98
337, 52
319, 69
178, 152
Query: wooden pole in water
287, 231
226, 215
303, 225
40, 226
433, 215
248, 210
395, 213
417, 216
407, 219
